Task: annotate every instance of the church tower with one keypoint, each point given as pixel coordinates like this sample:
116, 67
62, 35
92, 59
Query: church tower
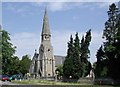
46, 61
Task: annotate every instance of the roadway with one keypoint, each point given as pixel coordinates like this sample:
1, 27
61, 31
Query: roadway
7, 83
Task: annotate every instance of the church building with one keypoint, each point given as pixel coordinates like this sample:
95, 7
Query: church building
43, 63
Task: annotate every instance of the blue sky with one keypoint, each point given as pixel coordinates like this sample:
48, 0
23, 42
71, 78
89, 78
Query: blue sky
23, 20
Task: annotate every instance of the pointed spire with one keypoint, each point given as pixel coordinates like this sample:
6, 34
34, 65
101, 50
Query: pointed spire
45, 28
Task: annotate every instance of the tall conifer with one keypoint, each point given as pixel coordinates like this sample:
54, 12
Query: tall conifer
68, 63
76, 58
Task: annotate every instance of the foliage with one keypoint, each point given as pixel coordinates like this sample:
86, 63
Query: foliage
76, 63
85, 52
10, 63
77, 72
99, 64
59, 70
108, 57
14, 66
68, 63
0, 50
111, 35
8, 51
25, 64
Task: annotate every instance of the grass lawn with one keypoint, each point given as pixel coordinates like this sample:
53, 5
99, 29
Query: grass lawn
61, 84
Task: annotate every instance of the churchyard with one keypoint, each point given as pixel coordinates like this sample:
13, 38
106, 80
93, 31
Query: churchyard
54, 83
76, 66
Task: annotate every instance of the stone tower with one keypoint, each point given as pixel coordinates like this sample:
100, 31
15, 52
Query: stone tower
46, 61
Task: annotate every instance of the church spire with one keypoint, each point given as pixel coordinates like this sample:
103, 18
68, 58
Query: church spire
44, 65
45, 28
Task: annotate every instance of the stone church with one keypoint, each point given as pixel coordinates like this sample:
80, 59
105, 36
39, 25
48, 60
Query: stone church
43, 63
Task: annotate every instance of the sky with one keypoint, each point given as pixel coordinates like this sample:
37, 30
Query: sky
23, 20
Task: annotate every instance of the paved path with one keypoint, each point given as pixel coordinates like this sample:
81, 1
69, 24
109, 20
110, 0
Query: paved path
7, 83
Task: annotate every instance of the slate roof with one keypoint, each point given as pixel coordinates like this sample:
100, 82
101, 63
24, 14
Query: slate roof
59, 59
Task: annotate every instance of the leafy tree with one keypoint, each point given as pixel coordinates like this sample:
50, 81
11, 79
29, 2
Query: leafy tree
59, 70
15, 66
108, 57
25, 64
111, 35
0, 50
117, 48
8, 51
10, 63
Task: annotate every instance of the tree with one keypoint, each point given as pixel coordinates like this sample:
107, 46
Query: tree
110, 46
76, 59
15, 66
76, 63
25, 64
10, 63
0, 50
72, 64
68, 63
59, 70
87, 43
101, 64
99, 56
85, 53
8, 51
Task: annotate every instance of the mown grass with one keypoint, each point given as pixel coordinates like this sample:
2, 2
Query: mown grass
61, 84
43, 82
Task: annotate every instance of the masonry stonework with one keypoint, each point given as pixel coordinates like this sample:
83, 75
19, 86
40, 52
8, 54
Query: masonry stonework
43, 64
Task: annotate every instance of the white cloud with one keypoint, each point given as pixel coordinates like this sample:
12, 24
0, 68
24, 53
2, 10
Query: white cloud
96, 42
63, 6
104, 4
27, 42
20, 10
56, 6
96, 37
76, 17
59, 41
52, 6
